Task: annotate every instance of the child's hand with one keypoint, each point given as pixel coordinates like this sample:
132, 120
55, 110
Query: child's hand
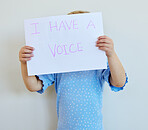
106, 44
25, 54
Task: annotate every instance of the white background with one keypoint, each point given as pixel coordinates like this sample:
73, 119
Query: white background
126, 22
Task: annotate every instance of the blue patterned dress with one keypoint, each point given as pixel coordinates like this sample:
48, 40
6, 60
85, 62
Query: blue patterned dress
79, 97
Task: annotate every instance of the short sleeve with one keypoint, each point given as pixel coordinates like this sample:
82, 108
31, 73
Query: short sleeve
106, 76
47, 80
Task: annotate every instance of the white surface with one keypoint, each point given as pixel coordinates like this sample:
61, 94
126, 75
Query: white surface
69, 39
126, 22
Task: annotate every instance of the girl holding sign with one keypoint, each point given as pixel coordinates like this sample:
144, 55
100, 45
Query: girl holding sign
79, 94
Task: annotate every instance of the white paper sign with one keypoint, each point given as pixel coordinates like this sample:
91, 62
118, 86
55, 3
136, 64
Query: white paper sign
65, 43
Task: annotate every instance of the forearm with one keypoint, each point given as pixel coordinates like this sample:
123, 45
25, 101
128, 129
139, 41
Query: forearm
118, 77
31, 82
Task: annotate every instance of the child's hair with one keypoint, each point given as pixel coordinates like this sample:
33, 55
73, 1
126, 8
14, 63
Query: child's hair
78, 12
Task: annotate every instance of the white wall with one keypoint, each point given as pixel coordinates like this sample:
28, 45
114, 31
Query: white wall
126, 22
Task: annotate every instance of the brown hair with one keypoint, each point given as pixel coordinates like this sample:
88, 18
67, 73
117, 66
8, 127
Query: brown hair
78, 12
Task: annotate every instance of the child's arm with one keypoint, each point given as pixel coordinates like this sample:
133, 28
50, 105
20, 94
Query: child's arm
118, 76
31, 82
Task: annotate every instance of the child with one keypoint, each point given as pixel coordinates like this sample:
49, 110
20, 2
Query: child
79, 94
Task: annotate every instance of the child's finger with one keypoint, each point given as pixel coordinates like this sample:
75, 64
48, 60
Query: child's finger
102, 37
27, 51
105, 37
27, 55
29, 47
24, 59
102, 45
103, 41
